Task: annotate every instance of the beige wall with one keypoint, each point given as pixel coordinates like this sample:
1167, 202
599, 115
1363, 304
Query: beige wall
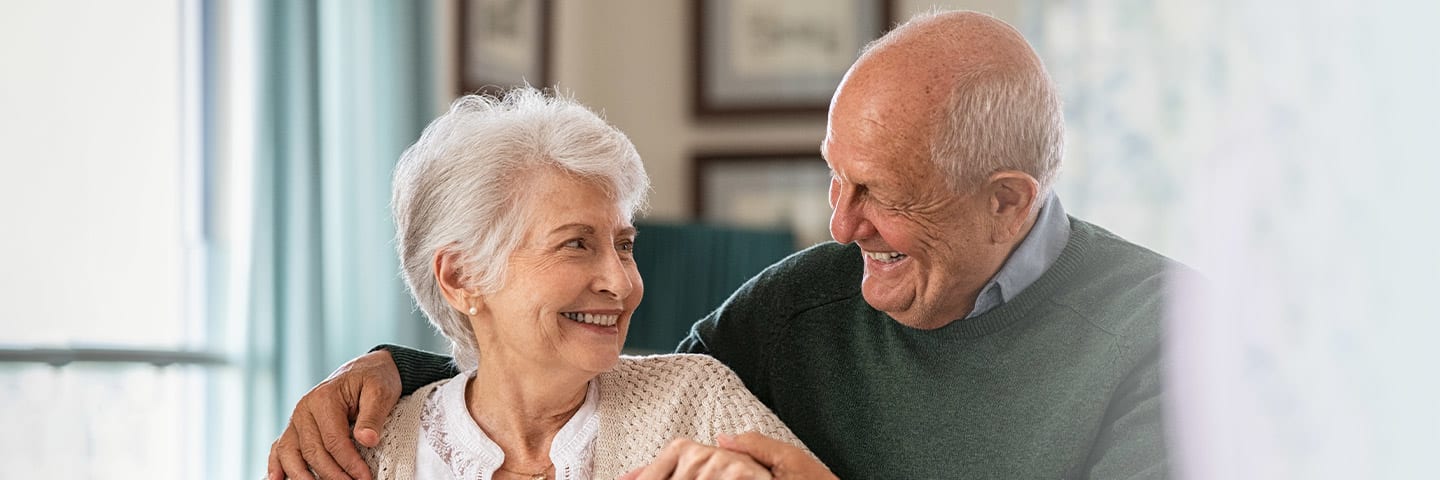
631, 59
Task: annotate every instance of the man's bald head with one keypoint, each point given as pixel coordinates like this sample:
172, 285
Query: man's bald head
964, 39
943, 138
971, 88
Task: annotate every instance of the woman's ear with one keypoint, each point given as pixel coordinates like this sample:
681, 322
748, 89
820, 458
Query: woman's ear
1012, 198
452, 279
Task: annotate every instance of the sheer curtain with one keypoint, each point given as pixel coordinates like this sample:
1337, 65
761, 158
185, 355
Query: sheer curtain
1286, 149
342, 88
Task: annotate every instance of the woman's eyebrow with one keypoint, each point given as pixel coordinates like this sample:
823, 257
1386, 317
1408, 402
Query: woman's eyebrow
583, 228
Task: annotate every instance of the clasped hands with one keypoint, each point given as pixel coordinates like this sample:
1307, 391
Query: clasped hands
367, 388
745, 456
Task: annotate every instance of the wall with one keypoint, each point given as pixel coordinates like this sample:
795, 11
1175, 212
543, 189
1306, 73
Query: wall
631, 59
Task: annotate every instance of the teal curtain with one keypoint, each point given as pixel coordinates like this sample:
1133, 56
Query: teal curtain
689, 269
345, 86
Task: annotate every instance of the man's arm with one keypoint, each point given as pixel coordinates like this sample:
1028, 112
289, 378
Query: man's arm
364, 391
732, 334
419, 368
1131, 443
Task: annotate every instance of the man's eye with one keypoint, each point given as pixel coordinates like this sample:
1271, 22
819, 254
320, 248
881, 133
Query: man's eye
628, 247
576, 243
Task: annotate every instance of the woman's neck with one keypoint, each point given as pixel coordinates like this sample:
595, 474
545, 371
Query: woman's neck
522, 411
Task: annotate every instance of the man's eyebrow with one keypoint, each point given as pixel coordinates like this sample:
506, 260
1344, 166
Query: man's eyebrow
629, 232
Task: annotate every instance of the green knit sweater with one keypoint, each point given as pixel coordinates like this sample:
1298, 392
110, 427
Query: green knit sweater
1061, 381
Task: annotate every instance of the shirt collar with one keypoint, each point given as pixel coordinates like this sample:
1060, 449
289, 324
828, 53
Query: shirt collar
472, 454
1040, 248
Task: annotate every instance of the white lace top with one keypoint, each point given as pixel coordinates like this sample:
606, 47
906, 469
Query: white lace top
452, 446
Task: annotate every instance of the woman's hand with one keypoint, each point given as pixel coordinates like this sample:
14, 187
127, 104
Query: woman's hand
319, 436
784, 460
686, 459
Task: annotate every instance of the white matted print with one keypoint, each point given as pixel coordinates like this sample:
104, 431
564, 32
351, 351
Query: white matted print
764, 56
767, 190
503, 43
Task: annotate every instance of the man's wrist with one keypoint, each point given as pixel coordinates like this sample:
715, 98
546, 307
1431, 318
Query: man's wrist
417, 368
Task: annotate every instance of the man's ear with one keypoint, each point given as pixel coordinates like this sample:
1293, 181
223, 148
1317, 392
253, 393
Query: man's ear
453, 280
1012, 196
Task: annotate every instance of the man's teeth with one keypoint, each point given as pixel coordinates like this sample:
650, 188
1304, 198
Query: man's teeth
593, 318
885, 257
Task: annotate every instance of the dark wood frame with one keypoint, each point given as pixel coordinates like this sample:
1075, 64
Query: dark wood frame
702, 107
462, 54
700, 161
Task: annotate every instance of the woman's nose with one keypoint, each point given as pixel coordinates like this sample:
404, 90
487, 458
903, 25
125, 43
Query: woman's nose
614, 278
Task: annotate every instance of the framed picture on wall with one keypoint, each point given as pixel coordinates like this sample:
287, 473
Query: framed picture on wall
768, 56
503, 43
784, 189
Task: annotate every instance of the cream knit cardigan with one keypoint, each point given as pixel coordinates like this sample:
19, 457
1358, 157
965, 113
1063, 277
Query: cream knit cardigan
644, 403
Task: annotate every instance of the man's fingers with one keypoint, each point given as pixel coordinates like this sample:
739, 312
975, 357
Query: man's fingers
729, 465
318, 457
273, 470
376, 402
768, 451
342, 449
691, 460
285, 452
784, 460
319, 440
733, 465
664, 463
295, 466
334, 435
696, 461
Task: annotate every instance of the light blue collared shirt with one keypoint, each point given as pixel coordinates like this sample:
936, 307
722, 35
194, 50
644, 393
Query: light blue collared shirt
1030, 260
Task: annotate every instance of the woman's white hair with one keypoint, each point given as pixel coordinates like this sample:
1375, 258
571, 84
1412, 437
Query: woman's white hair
462, 187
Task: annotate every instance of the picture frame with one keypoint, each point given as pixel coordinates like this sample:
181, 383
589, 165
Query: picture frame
772, 57
787, 189
503, 44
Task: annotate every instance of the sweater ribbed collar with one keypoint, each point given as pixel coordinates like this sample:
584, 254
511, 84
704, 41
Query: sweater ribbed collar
1060, 273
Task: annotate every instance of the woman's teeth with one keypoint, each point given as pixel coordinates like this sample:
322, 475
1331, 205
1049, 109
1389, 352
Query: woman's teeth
593, 318
885, 257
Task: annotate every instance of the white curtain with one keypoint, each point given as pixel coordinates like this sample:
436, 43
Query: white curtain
1287, 149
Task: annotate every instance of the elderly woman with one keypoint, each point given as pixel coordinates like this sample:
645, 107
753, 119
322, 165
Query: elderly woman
515, 236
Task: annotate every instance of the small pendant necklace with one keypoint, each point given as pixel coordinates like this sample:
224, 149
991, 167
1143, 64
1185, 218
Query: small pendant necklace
533, 476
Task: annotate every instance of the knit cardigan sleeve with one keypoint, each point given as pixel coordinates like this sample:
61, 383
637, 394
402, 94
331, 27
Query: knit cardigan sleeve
394, 457
645, 402
735, 409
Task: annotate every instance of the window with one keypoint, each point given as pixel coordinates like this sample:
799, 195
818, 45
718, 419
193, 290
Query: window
107, 360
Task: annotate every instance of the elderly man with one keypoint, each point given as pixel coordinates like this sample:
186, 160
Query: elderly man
962, 326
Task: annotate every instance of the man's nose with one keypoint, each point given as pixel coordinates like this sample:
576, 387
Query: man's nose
847, 220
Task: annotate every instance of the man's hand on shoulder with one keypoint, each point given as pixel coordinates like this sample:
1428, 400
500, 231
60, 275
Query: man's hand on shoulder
319, 436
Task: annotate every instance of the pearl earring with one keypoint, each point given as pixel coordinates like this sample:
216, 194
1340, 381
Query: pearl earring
474, 311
